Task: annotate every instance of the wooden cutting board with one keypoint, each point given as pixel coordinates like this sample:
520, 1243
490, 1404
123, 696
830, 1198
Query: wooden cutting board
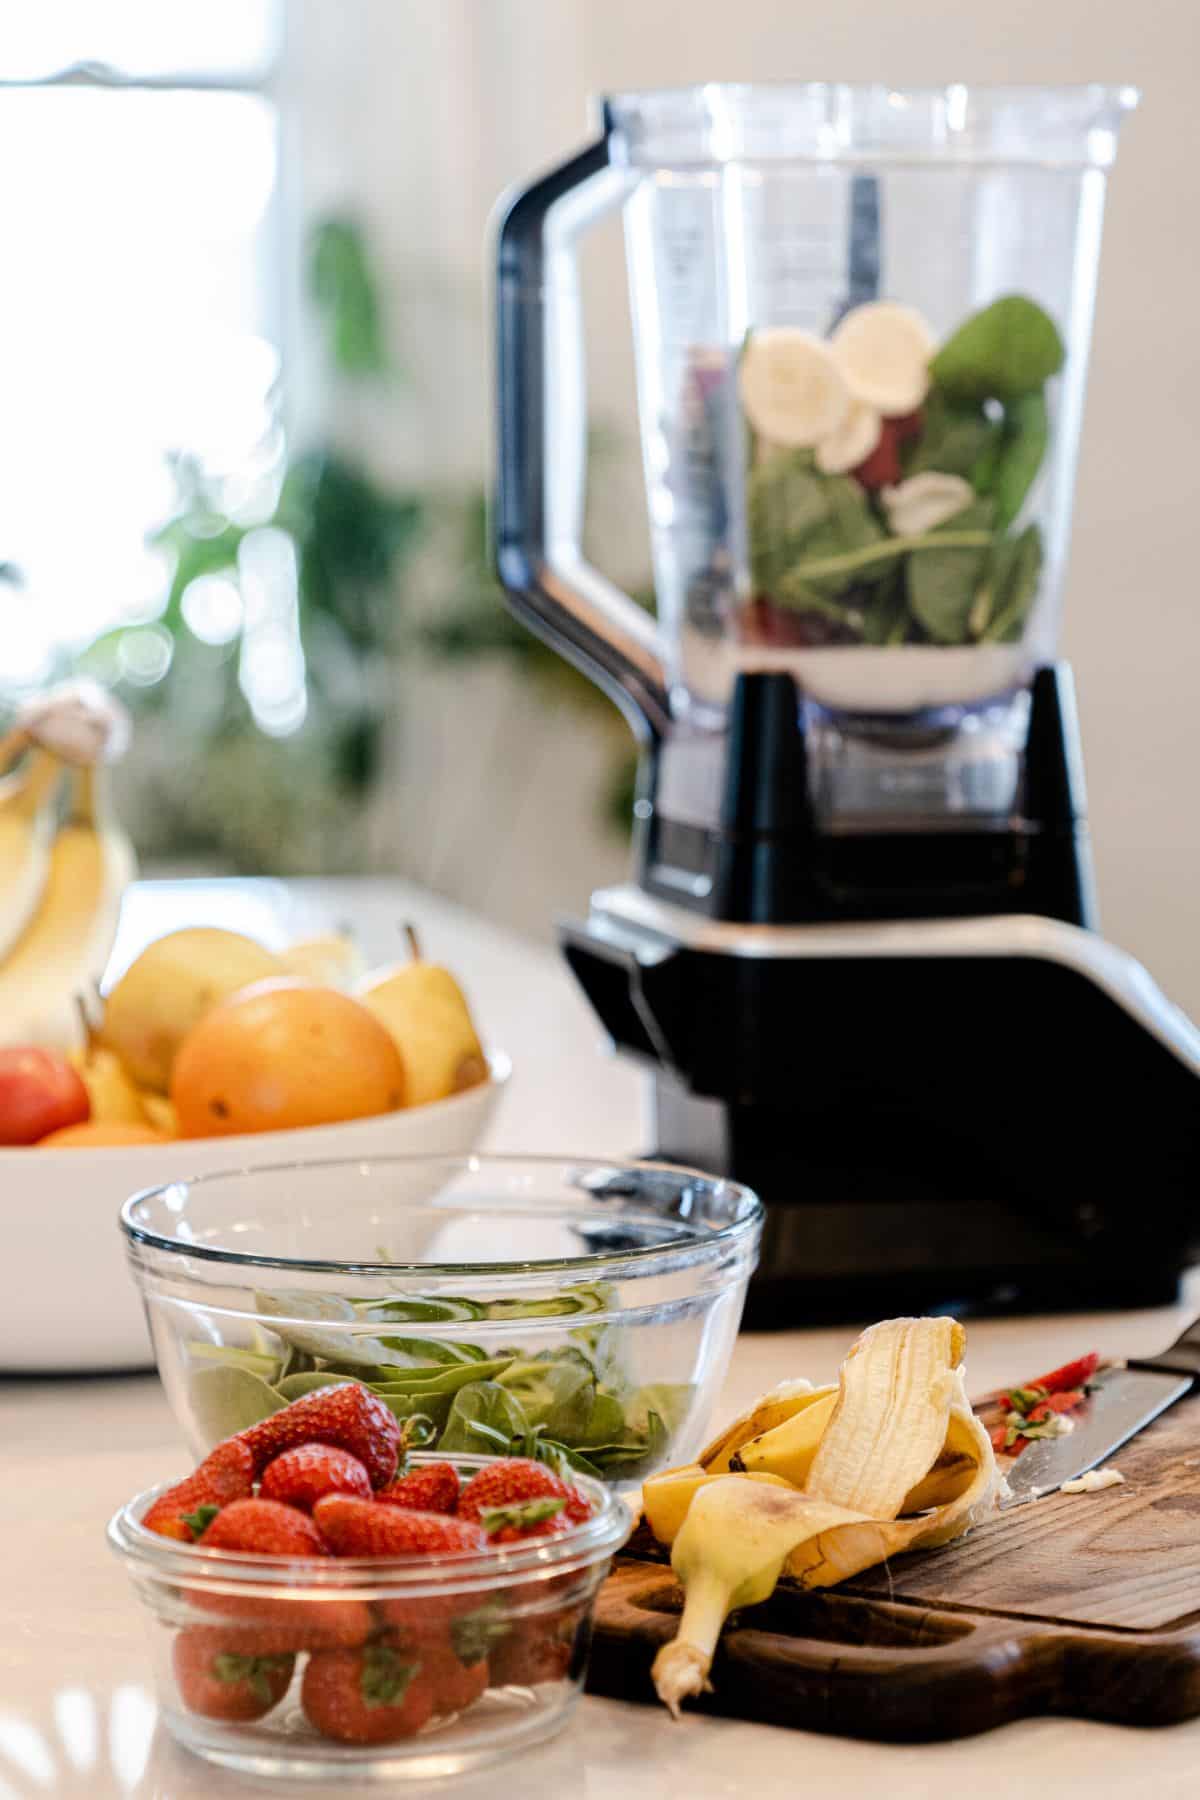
1084, 1604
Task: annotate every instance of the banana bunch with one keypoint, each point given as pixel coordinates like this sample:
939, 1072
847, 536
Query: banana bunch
821, 1483
64, 861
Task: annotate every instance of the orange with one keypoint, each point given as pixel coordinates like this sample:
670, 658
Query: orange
282, 1054
99, 1134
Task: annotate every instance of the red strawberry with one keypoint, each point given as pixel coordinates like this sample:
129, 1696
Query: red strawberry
456, 1684
540, 1647
186, 1509
882, 467
908, 425
433, 1488
222, 1678
517, 1478
300, 1477
525, 1519
348, 1416
268, 1528
354, 1527
264, 1528
369, 1696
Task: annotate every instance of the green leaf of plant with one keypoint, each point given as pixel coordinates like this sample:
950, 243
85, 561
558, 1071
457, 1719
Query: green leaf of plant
884, 611
308, 1381
406, 1405
438, 1378
942, 582
605, 1425
225, 1399
482, 1412
954, 439
1023, 442
431, 1350
1009, 349
349, 1351
558, 1396
668, 1401
798, 519
1016, 567
343, 289
258, 1362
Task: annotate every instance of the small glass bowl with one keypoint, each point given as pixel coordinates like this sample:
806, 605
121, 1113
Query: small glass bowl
521, 1303
266, 1634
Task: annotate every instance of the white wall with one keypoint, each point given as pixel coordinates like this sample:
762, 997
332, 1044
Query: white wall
428, 110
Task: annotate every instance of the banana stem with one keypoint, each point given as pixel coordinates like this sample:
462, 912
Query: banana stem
681, 1667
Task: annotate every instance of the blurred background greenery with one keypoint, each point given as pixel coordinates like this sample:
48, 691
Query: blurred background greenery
348, 577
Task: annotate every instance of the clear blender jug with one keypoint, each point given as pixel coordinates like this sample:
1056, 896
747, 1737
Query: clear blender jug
861, 323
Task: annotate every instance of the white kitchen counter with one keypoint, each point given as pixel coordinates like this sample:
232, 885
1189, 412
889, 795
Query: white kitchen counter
76, 1716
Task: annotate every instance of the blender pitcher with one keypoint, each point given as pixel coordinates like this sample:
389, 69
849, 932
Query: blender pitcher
861, 321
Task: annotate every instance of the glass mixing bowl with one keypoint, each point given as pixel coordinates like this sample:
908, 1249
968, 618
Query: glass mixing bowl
580, 1312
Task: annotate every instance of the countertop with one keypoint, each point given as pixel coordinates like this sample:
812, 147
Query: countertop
76, 1714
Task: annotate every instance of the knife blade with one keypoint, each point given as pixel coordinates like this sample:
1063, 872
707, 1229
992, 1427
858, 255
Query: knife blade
1121, 1402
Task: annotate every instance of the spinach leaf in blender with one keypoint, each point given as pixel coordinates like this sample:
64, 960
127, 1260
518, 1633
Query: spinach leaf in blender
1009, 349
943, 580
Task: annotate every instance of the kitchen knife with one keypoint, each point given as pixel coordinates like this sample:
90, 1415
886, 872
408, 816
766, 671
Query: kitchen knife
1120, 1403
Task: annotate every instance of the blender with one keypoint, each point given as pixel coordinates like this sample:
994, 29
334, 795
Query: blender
859, 960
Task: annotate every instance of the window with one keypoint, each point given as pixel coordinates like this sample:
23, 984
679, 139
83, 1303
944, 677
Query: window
139, 299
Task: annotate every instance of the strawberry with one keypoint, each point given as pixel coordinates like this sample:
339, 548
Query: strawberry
186, 1509
517, 1478
223, 1679
354, 1527
882, 467
369, 1696
908, 425
348, 1416
264, 1528
1075, 1374
525, 1519
456, 1684
269, 1528
300, 1477
433, 1488
541, 1647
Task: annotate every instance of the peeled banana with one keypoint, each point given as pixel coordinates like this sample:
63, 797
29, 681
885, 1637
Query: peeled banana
892, 1459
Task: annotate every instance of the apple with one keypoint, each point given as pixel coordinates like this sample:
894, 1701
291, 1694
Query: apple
39, 1092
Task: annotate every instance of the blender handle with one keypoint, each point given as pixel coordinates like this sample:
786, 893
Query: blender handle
542, 441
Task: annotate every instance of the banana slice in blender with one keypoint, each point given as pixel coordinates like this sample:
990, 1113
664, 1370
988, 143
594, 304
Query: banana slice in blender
852, 442
883, 350
793, 392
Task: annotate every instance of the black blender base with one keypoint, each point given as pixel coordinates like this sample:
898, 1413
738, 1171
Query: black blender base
799, 1305
848, 1242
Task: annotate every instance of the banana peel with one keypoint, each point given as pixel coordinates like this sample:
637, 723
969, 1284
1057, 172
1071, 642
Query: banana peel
900, 1463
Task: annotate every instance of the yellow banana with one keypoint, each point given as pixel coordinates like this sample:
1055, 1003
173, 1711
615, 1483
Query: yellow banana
27, 812
63, 950
896, 1437
667, 1497
730, 1552
789, 1449
775, 1408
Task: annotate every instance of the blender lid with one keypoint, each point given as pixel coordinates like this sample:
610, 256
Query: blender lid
1072, 126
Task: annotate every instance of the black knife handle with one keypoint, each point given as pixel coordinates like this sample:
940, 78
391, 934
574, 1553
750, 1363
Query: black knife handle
1183, 1358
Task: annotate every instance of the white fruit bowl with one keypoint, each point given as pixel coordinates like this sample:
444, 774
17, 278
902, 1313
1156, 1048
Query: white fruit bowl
68, 1304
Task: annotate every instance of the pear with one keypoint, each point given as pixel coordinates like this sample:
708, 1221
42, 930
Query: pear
169, 988
423, 1008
